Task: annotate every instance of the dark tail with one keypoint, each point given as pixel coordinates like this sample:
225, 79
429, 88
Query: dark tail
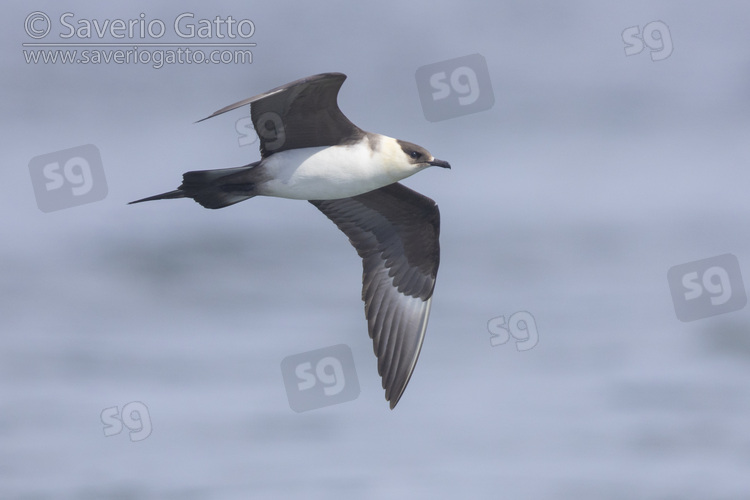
213, 188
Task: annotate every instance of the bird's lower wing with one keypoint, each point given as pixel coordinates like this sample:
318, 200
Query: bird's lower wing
395, 231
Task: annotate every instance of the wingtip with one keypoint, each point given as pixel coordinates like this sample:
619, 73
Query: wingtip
393, 400
204, 119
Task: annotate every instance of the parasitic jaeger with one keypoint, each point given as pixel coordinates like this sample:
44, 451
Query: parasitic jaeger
311, 151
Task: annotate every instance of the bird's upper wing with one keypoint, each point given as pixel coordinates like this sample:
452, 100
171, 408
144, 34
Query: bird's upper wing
300, 114
395, 230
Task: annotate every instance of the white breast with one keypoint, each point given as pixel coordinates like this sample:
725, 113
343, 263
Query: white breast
331, 172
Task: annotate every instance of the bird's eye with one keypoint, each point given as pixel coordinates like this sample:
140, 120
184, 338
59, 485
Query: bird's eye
415, 155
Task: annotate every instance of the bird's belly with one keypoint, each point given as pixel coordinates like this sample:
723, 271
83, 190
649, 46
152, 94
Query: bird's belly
324, 173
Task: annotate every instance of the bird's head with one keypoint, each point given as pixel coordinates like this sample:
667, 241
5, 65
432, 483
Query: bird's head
416, 158
405, 158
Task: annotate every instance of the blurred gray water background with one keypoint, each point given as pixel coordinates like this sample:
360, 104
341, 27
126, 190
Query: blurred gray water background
592, 175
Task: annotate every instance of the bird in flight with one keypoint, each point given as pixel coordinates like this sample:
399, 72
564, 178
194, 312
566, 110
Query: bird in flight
311, 151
